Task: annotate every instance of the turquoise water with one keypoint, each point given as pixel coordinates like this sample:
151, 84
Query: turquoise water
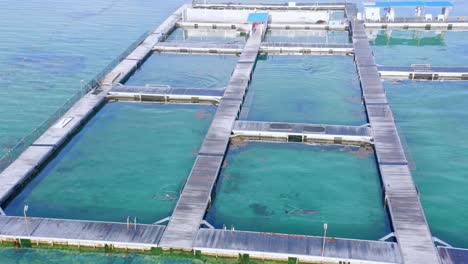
53, 46
187, 71
307, 36
433, 118
403, 47
131, 159
262, 184
311, 89
206, 36
46, 49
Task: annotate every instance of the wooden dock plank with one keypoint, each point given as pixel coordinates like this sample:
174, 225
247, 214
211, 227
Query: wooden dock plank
71, 120
196, 195
191, 207
98, 233
36, 155
57, 134
409, 223
306, 248
21, 169
412, 229
453, 255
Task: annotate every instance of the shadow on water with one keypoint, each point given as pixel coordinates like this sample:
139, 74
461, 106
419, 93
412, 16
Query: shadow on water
49, 63
261, 210
83, 15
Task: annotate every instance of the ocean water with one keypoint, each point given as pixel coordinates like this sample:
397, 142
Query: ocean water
48, 48
432, 118
185, 70
406, 47
309, 89
131, 159
263, 187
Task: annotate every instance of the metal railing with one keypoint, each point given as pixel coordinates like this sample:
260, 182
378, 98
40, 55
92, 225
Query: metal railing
13, 153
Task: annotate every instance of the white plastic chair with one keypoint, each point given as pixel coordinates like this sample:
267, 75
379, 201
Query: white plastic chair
428, 17
440, 17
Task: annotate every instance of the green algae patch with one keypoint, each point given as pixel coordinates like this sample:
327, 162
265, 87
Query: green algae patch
109, 251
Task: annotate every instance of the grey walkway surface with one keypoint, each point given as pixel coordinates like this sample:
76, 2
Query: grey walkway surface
305, 247
414, 239
409, 223
424, 72
326, 134
245, 26
265, 47
272, 6
215, 48
28, 163
34, 156
47, 229
452, 23
453, 255
164, 93
196, 195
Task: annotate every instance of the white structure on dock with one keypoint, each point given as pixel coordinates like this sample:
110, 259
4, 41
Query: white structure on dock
414, 241
373, 10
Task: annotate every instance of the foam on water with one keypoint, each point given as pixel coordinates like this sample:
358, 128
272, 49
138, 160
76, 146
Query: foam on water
130, 160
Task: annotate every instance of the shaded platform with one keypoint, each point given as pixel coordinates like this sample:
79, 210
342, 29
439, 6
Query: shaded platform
306, 48
307, 133
305, 248
84, 233
407, 216
245, 27
213, 48
453, 255
266, 47
270, 6
423, 72
418, 23
165, 94
196, 195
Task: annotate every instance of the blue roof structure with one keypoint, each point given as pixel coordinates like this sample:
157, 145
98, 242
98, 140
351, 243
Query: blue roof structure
258, 18
409, 4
